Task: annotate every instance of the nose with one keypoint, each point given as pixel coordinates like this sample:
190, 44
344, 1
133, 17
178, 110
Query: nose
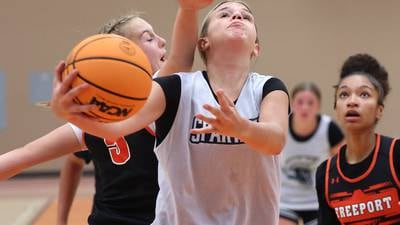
352, 101
161, 42
237, 15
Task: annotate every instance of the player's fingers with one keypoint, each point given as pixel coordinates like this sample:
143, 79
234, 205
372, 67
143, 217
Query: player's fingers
72, 93
209, 120
67, 82
204, 130
224, 100
214, 110
58, 70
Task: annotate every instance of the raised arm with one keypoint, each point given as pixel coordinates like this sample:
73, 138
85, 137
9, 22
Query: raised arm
268, 135
58, 142
69, 180
184, 37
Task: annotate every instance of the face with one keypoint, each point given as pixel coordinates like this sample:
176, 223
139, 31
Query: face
357, 105
232, 21
142, 33
305, 105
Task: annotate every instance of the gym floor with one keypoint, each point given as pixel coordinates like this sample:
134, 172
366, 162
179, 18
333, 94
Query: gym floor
33, 201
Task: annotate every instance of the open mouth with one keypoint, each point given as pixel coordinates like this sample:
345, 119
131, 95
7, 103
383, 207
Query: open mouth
163, 58
352, 115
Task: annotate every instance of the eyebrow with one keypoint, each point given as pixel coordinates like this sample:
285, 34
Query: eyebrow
147, 32
226, 8
362, 86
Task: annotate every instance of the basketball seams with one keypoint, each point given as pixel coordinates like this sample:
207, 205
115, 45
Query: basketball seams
110, 92
111, 58
84, 45
109, 111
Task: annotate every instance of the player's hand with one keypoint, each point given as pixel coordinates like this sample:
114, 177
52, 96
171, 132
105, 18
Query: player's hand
194, 4
63, 94
226, 121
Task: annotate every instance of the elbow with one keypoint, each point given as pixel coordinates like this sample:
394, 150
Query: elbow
275, 146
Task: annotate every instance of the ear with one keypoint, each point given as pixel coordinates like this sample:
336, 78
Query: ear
379, 112
203, 44
256, 51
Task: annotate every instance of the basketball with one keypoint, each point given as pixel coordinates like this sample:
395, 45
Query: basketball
118, 72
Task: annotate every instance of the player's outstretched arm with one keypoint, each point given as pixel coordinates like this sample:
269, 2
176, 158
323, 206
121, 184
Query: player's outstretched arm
58, 142
184, 37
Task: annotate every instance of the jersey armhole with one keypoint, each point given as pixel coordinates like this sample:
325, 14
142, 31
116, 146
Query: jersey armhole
391, 162
80, 135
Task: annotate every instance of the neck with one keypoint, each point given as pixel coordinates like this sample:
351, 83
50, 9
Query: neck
303, 128
359, 145
228, 72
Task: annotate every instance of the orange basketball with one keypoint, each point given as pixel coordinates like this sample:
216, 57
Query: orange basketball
118, 72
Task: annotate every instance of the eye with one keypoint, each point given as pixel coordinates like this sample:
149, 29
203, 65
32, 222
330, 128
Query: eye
223, 14
343, 94
247, 16
365, 94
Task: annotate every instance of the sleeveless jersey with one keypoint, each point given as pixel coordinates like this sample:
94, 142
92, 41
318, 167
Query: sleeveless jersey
126, 178
299, 162
211, 179
373, 197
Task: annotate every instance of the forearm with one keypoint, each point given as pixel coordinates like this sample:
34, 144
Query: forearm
11, 164
184, 40
266, 137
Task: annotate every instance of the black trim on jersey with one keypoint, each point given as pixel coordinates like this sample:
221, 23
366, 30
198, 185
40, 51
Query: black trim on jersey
205, 75
335, 134
275, 84
299, 138
84, 155
326, 215
272, 84
171, 86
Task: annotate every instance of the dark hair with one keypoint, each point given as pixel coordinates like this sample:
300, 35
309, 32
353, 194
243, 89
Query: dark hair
364, 64
307, 86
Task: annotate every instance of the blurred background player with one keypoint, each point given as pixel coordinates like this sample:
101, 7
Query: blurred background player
311, 139
360, 184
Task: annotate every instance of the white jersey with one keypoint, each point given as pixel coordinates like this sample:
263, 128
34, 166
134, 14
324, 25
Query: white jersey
210, 179
299, 163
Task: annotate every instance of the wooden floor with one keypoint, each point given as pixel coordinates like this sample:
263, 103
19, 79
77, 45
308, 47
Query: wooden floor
33, 201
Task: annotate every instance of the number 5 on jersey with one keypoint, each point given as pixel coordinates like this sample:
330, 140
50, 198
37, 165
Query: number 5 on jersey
119, 151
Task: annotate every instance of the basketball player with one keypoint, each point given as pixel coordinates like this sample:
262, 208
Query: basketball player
218, 131
125, 170
127, 188
312, 137
360, 184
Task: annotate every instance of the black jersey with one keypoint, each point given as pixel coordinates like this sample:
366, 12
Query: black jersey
363, 193
126, 179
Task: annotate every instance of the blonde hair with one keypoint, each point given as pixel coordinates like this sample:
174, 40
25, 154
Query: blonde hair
116, 26
206, 21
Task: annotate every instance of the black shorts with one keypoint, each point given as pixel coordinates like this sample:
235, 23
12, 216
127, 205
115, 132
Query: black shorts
309, 217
